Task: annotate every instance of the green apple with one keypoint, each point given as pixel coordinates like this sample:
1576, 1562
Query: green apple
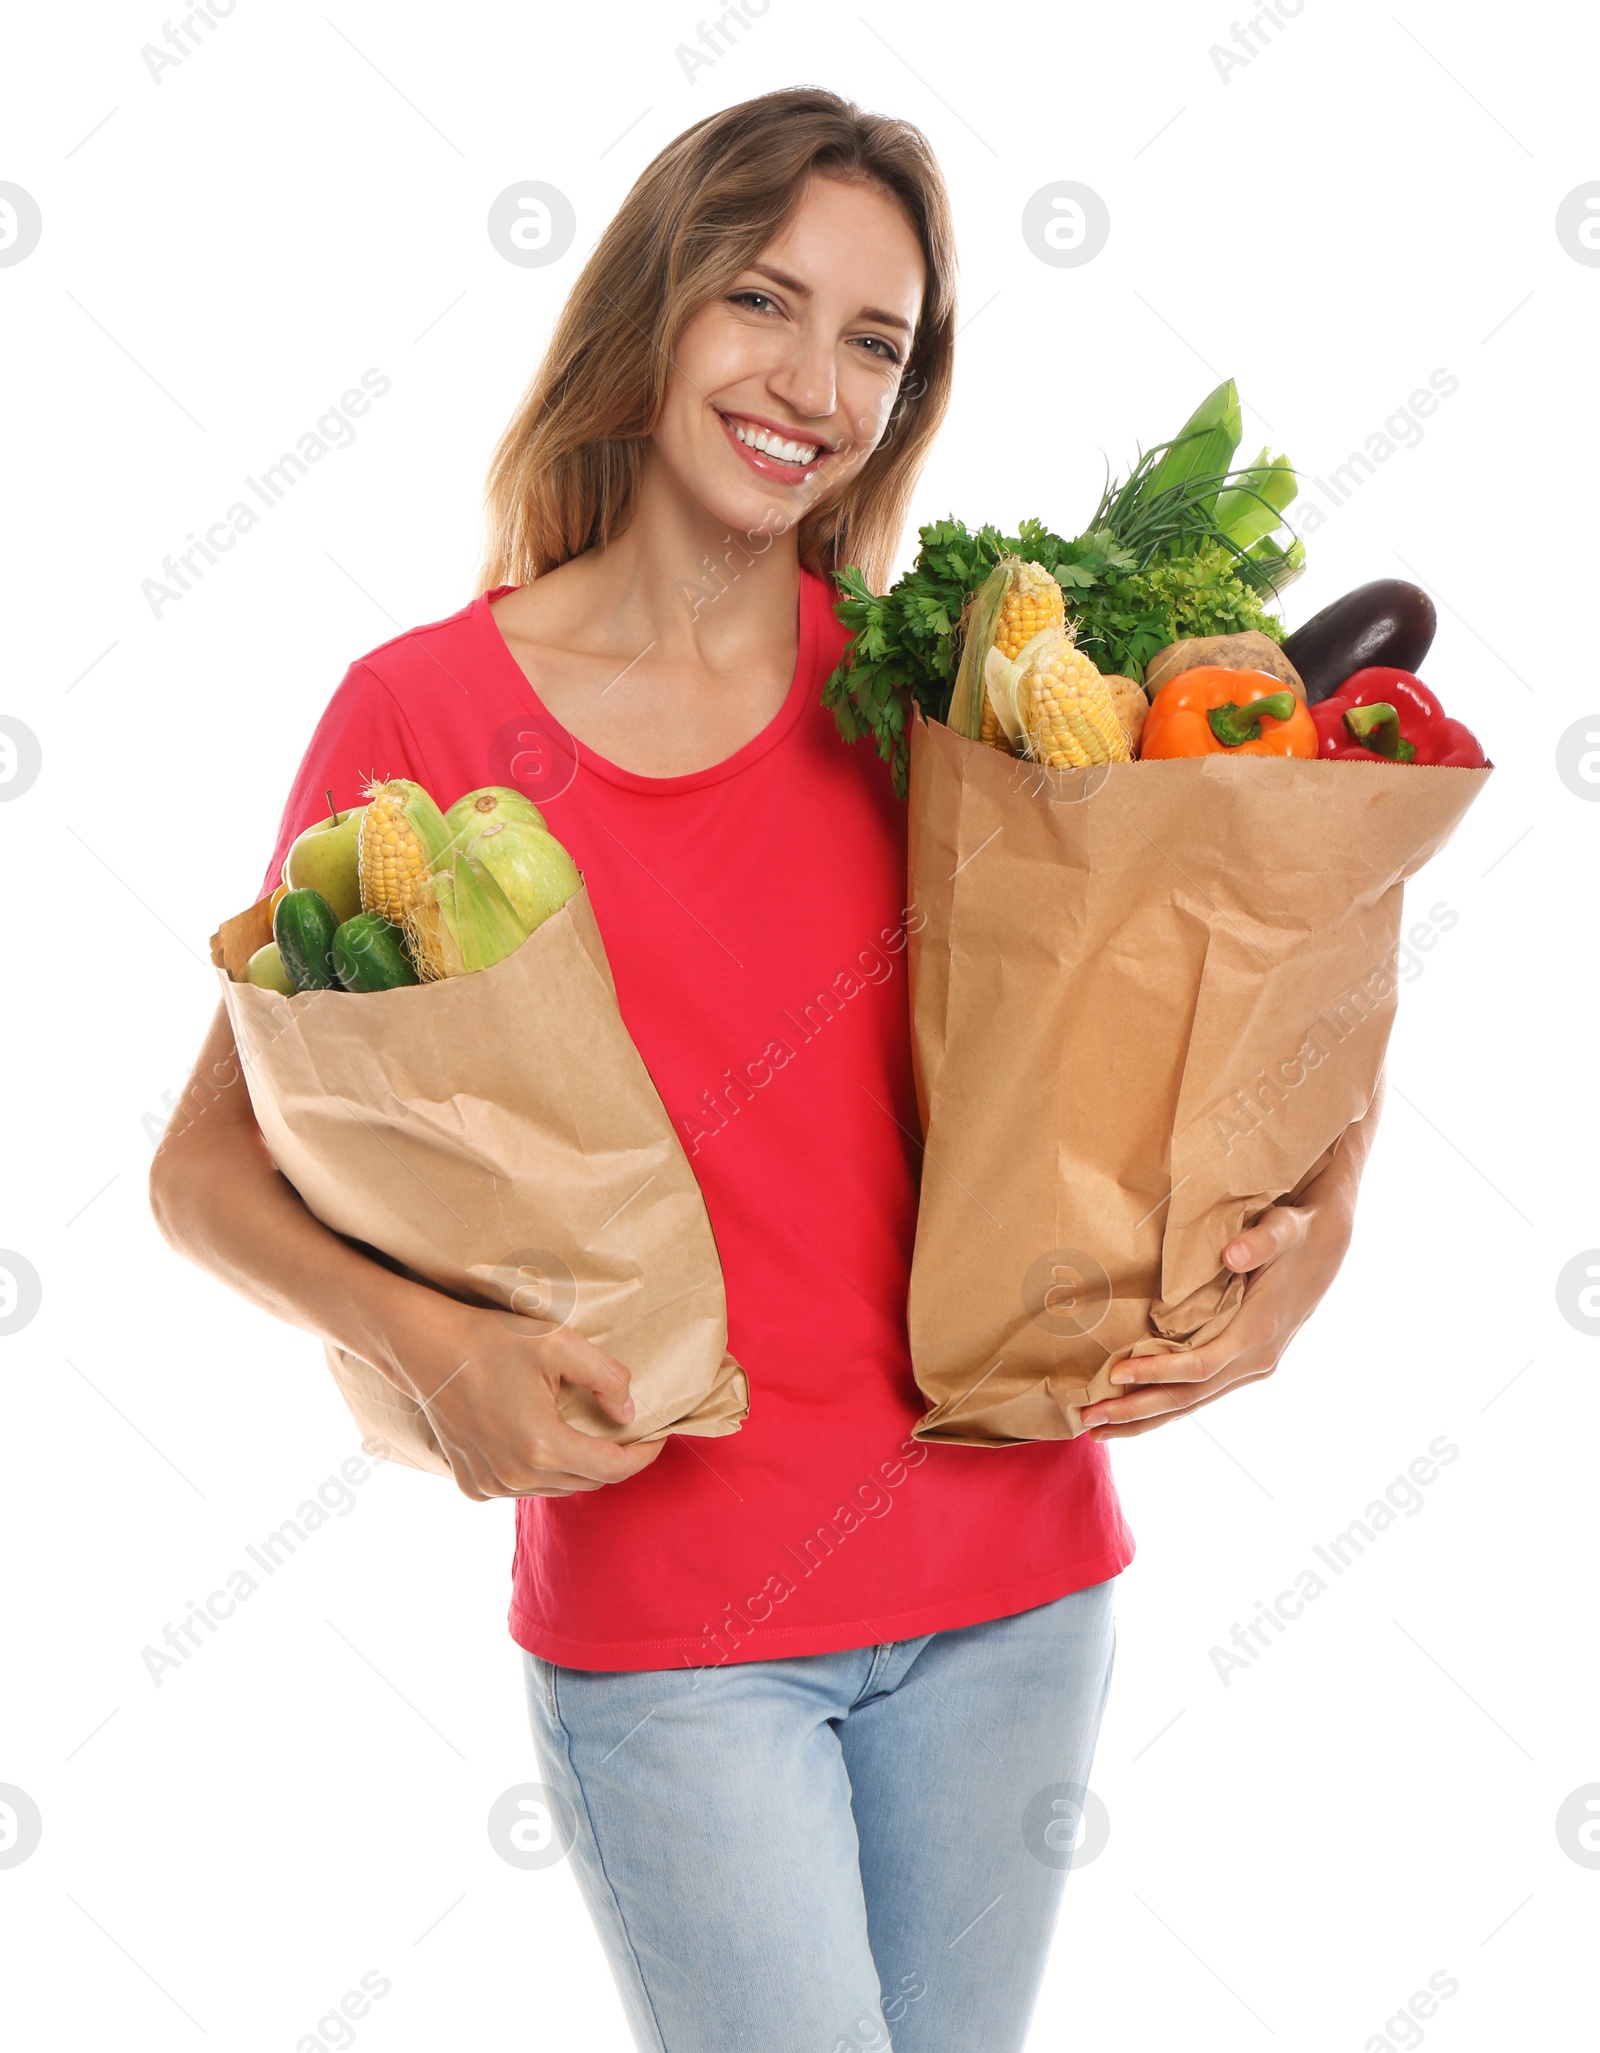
324, 859
266, 971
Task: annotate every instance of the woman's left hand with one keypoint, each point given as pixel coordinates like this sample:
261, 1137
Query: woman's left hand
1292, 1255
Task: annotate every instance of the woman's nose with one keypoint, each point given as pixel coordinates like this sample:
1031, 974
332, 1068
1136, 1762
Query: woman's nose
806, 381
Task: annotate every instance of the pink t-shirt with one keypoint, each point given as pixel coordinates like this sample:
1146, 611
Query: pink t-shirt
755, 919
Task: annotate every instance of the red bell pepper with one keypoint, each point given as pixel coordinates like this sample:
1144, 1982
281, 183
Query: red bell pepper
1388, 716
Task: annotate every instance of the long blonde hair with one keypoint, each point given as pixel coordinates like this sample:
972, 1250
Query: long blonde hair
566, 472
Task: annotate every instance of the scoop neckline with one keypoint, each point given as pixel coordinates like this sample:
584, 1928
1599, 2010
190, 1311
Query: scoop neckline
776, 730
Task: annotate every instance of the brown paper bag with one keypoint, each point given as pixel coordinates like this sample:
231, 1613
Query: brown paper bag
498, 1136
1146, 1002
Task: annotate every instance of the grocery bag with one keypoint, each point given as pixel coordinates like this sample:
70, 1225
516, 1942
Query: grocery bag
1147, 999
497, 1135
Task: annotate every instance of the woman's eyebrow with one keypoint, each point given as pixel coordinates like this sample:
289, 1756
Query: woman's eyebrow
795, 285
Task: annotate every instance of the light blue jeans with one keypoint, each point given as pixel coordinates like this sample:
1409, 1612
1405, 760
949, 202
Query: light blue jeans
833, 1853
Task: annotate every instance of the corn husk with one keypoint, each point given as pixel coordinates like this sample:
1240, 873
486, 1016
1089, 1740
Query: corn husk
967, 698
476, 924
1002, 678
531, 867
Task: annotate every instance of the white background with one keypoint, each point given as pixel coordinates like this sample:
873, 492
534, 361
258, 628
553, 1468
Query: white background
1365, 201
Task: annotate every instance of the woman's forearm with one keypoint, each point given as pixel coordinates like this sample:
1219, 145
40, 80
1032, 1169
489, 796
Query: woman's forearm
220, 1202
491, 1379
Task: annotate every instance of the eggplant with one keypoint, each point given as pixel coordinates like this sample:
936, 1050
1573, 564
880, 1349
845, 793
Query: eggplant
1387, 621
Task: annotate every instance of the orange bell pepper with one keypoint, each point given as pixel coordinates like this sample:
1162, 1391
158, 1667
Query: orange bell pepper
1214, 712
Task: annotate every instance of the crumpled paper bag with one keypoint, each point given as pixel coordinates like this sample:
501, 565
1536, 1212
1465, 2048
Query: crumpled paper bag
498, 1136
1147, 1000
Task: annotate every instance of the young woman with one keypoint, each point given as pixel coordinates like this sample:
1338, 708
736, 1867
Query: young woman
817, 1701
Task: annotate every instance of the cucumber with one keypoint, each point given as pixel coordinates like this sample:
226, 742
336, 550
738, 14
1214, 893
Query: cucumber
303, 927
369, 954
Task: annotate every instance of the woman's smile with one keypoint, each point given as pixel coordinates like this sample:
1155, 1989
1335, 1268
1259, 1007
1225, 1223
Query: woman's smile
786, 455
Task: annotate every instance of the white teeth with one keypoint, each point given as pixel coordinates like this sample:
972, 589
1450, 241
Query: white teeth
774, 445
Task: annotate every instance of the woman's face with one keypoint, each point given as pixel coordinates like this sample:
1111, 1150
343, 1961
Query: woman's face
781, 388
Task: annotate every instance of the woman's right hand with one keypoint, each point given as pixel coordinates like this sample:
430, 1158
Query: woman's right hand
489, 1383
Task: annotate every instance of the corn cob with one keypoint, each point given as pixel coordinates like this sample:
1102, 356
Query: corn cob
403, 837
1065, 709
1016, 601
1031, 604
1053, 705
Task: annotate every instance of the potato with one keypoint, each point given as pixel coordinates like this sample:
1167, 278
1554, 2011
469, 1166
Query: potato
1131, 705
1227, 652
